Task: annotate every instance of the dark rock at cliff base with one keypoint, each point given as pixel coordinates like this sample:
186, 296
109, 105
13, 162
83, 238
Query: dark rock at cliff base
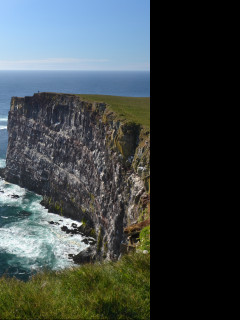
86, 230
83, 230
15, 196
65, 229
42, 203
86, 256
2, 175
52, 222
92, 242
72, 231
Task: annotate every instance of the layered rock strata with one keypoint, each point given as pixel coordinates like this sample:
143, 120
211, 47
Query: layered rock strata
87, 164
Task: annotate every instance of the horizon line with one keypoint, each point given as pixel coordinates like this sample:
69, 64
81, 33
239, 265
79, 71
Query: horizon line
74, 70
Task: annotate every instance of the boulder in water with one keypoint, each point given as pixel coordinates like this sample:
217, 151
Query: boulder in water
15, 196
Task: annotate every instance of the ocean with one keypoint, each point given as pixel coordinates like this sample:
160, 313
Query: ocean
28, 242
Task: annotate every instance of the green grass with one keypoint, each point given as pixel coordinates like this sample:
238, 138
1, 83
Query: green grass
130, 108
145, 239
110, 290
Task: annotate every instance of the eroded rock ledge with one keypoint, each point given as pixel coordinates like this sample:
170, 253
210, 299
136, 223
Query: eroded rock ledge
87, 164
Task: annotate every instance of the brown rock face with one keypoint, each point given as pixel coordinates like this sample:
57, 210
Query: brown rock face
81, 162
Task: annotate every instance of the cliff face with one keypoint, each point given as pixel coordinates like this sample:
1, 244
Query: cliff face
86, 163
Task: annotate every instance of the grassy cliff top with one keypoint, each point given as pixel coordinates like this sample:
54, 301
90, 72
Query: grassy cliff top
130, 108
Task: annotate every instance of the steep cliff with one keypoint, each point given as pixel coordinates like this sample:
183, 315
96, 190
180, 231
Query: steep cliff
86, 162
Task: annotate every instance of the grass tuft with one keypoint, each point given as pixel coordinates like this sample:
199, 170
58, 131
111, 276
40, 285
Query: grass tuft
108, 290
134, 109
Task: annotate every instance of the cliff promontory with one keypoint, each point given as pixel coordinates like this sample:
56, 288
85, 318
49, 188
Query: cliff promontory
87, 161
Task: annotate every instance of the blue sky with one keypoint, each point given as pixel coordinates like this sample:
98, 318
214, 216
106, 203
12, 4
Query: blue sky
74, 34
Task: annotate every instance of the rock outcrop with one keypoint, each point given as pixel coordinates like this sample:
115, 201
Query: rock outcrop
87, 164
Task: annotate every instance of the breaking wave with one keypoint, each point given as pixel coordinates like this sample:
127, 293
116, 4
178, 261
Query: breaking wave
28, 241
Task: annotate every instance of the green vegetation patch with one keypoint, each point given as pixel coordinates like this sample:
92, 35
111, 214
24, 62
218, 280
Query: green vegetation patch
110, 290
145, 239
133, 109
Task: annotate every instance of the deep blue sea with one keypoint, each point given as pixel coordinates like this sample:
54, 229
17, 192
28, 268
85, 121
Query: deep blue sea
28, 242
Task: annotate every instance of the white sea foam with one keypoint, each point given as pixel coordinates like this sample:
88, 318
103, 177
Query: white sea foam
2, 163
33, 240
12, 194
40, 245
3, 119
3, 127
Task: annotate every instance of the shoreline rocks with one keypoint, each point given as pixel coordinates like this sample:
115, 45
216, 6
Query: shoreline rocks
88, 255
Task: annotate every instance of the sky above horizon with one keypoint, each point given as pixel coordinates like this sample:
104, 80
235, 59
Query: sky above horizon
75, 35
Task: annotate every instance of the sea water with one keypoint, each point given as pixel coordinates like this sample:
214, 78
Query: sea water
28, 242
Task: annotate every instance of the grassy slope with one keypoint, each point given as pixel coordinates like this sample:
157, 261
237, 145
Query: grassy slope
131, 108
112, 290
